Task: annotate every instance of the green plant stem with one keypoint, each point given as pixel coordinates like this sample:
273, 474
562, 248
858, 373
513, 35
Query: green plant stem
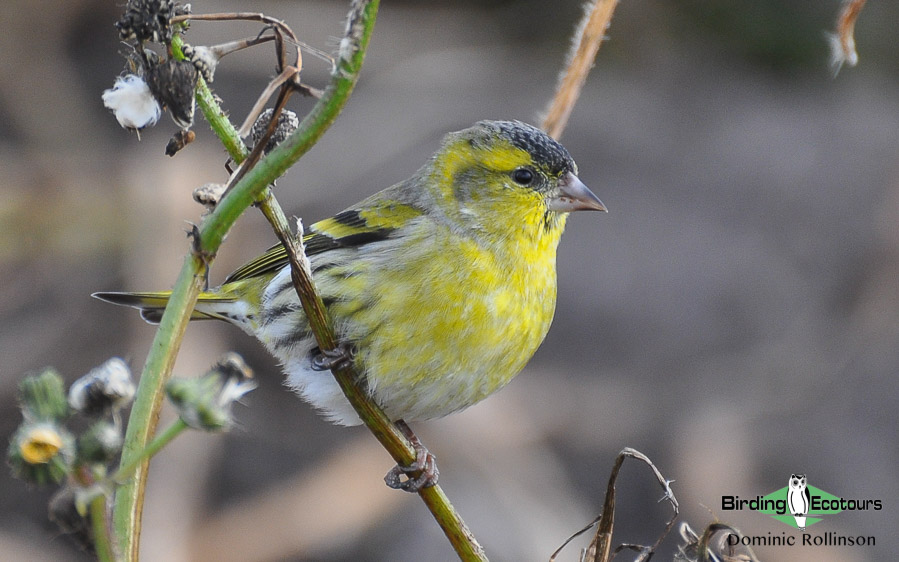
144, 416
160, 441
100, 528
192, 278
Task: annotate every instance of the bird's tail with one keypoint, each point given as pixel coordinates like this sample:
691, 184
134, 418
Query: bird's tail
151, 305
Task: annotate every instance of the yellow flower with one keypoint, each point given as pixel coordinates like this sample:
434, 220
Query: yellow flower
41, 452
40, 444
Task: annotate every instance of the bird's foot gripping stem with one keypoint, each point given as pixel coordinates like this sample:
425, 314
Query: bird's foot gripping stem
330, 359
422, 473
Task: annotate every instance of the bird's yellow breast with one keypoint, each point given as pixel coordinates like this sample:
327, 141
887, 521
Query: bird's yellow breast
447, 320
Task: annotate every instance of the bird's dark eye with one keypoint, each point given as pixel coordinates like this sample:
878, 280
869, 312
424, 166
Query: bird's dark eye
523, 176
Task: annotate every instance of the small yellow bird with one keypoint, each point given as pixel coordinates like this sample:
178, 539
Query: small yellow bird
444, 284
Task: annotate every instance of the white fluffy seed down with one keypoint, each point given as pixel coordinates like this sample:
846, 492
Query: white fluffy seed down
132, 103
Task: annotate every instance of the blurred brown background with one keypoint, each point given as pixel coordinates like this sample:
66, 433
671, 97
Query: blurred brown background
735, 316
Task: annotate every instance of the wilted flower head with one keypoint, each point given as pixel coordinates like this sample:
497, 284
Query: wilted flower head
105, 388
132, 103
173, 83
205, 402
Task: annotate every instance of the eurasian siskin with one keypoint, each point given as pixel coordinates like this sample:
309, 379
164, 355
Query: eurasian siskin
444, 284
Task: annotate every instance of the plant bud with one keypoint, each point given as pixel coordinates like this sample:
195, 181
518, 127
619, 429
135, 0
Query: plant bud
43, 397
205, 403
100, 444
105, 388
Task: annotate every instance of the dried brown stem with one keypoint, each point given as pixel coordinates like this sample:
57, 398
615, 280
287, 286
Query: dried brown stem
289, 73
588, 37
600, 549
843, 42
281, 29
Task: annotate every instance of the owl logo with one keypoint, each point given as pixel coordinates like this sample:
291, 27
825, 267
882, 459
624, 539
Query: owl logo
798, 498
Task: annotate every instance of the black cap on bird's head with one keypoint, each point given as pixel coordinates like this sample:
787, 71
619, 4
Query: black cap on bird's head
546, 151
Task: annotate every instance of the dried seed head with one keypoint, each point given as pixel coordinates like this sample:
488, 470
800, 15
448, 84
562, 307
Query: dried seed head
205, 403
147, 20
203, 58
173, 83
209, 194
287, 123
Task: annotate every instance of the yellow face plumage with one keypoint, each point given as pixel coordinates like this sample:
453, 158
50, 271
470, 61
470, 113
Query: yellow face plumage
498, 171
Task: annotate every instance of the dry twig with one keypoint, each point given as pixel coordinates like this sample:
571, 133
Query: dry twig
600, 549
587, 39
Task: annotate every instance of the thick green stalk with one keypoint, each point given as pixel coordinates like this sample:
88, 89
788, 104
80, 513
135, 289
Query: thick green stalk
158, 368
144, 416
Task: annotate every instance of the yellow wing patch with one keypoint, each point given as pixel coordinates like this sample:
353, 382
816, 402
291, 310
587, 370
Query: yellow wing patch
346, 229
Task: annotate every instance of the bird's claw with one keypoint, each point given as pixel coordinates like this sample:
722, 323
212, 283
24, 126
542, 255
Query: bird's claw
329, 359
425, 465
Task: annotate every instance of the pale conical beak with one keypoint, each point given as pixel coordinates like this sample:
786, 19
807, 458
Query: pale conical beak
574, 196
